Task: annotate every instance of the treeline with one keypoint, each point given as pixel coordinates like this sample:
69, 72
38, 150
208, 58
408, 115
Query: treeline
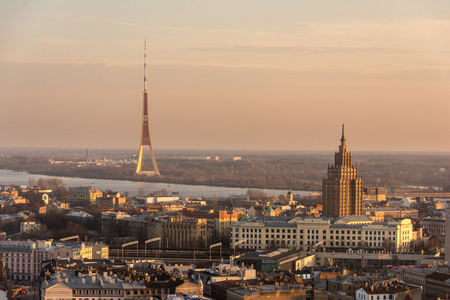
298, 172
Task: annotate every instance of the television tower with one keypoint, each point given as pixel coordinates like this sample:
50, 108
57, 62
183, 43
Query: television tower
145, 136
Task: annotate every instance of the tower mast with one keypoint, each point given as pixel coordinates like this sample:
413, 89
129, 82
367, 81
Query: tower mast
145, 136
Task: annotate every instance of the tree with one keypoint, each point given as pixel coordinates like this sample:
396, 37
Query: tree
61, 193
256, 194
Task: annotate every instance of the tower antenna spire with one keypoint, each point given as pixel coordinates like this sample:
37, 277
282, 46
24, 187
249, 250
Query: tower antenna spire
145, 65
145, 137
343, 136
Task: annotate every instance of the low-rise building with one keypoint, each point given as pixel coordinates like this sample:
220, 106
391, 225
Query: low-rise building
29, 226
389, 291
278, 260
206, 277
268, 291
380, 214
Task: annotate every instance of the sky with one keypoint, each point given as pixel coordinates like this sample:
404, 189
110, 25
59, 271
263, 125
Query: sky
226, 75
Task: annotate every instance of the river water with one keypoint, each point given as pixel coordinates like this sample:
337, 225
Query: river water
8, 177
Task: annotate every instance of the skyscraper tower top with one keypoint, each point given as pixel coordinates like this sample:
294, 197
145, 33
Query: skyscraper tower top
342, 190
343, 157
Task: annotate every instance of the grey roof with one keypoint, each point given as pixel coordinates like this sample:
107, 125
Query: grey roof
93, 280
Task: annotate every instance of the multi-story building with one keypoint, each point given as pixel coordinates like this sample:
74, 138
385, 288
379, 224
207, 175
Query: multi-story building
75, 251
112, 200
219, 223
83, 196
100, 251
437, 284
23, 258
375, 194
342, 190
66, 285
178, 232
434, 226
447, 229
307, 233
3, 280
123, 224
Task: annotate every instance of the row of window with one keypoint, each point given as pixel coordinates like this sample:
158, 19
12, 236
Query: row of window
17, 259
97, 292
316, 231
312, 243
312, 237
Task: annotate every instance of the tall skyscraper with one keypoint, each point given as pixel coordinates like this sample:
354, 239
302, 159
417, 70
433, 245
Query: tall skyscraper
342, 190
145, 136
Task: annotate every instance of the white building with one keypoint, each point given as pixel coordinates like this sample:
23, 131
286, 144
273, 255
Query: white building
395, 291
66, 285
306, 233
155, 200
402, 202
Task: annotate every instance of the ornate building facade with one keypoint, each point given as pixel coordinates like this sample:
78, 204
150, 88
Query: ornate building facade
342, 190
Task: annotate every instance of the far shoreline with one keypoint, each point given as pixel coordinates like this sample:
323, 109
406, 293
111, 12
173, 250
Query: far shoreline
303, 192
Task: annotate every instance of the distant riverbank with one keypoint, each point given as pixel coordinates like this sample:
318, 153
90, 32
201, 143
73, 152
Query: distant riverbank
8, 177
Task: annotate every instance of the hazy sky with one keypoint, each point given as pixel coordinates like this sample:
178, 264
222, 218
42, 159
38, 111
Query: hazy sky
262, 75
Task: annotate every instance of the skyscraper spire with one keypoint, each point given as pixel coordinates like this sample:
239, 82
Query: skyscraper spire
342, 146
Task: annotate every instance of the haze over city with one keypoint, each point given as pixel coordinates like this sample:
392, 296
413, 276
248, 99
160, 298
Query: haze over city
251, 75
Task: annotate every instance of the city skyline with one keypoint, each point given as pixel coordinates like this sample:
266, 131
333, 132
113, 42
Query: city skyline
257, 75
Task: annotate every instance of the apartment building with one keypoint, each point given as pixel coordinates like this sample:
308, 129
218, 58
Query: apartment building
219, 223
434, 226
179, 232
123, 224
23, 258
83, 196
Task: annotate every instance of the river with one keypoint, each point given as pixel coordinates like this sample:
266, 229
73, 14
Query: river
8, 177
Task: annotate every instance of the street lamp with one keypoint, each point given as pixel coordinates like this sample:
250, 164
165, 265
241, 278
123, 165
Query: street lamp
215, 245
152, 240
128, 244
237, 243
